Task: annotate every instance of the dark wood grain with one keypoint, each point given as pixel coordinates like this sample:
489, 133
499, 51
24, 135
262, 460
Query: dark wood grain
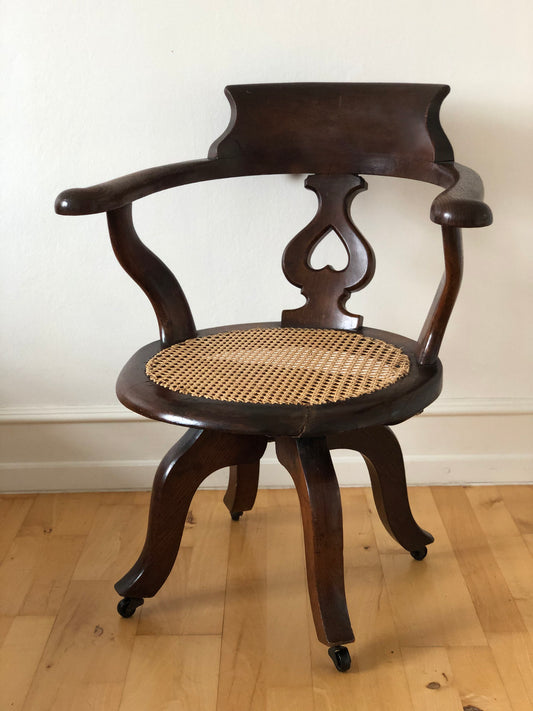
370, 129
383, 456
153, 276
327, 290
242, 487
388, 129
430, 339
461, 204
196, 455
114, 194
309, 463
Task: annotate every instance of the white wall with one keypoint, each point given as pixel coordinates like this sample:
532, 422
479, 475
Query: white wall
93, 90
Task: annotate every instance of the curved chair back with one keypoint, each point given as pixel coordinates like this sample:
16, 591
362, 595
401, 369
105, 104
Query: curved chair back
383, 129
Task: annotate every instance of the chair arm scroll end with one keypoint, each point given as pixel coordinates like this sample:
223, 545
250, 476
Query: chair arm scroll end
461, 213
119, 192
77, 201
461, 204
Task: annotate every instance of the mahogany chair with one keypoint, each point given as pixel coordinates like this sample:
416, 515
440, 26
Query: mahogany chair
319, 380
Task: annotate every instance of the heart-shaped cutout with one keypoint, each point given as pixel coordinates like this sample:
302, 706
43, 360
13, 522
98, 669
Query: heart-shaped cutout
330, 251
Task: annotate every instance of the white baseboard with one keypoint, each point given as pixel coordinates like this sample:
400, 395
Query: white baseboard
126, 475
74, 449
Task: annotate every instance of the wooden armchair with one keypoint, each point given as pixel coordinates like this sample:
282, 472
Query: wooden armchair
319, 380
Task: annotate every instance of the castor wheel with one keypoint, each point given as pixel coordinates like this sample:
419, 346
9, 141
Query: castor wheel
420, 554
341, 657
236, 515
127, 606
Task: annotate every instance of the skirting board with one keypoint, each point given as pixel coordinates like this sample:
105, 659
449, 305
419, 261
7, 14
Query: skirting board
460, 442
351, 471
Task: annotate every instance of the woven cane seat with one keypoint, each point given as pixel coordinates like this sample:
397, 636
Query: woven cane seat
279, 366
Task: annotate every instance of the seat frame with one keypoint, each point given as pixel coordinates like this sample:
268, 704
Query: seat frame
335, 133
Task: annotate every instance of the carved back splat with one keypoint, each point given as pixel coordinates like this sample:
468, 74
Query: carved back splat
326, 289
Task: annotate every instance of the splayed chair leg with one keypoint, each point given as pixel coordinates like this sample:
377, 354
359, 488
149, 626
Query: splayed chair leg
383, 456
242, 488
309, 463
197, 454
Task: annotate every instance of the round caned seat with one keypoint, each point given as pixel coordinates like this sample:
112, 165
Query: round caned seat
281, 366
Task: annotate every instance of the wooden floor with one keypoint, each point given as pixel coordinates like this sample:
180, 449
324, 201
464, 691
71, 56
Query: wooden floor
231, 630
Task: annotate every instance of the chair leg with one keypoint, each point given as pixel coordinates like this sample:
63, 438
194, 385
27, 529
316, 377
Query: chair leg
196, 455
309, 463
383, 456
242, 488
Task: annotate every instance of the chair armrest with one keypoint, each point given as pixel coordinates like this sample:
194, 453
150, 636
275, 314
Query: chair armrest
114, 194
461, 204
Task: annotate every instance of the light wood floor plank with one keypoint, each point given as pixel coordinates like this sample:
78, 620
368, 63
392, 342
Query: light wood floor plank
478, 680
287, 656
192, 599
17, 572
129, 498
20, 654
113, 543
5, 623
528, 538
36, 573
278, 673
233, 629
508, 547
506, 542
431, 680
513, 655
87, 654
13, 511
420, 591
174, 673
376, 679
61, 514
360, 540
242, 669
52, 575
490, 593
519, 501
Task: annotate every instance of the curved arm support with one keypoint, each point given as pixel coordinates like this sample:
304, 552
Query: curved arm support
153, 276
122, 191
432, 333
461, 204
